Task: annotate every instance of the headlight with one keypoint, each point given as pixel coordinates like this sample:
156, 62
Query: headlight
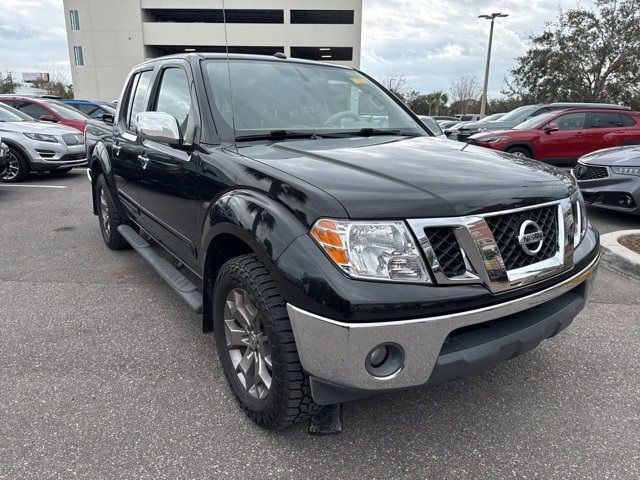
491, 139
372, 250
41, 137
626, 170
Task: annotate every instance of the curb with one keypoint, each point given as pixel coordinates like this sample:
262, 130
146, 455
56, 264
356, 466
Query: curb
619, 257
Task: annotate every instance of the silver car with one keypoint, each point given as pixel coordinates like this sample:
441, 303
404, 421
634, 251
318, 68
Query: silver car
38, 146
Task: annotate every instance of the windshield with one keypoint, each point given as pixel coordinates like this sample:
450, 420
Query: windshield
519, 114
493, 117
533, 122
9, 114
273, 96
66, 112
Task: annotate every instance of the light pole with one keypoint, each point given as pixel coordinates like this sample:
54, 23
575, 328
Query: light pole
492, 17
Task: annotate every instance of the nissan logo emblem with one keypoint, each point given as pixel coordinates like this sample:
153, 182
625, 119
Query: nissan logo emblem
530, 237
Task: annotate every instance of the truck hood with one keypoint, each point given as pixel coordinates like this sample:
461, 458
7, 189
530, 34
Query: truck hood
392, 177
628, 156
36, 127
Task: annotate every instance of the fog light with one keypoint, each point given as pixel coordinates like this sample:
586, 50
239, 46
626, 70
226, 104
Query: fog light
625, 201
385, 360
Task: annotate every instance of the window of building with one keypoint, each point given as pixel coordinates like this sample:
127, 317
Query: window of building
571, 121
78, 58
202, 15
140, 85
74, 19
604, 120
159, 50
323, 53
322, 16
174, 97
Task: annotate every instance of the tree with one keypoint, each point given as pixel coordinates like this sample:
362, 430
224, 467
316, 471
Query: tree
7, 84
465, 93
397, 84
585, 56
59, 83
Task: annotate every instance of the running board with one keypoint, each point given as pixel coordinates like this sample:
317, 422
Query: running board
176, 280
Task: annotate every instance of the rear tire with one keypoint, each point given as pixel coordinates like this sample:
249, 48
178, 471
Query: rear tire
18, 168
108, 216
519, 152
256, 346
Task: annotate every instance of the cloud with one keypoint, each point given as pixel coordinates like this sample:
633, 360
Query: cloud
433, 43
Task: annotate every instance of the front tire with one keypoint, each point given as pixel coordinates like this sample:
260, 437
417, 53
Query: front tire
519, 152
18, 167
108, 216
256, 346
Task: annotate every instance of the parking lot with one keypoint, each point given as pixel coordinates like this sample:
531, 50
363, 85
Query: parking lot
106, 374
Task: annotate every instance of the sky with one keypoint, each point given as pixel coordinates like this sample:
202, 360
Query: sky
431, 42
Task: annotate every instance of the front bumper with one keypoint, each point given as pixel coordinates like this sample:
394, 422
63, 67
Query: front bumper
44, 156
607, 193
435, 348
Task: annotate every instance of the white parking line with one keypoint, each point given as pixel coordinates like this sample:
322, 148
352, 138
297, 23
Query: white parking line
31, 186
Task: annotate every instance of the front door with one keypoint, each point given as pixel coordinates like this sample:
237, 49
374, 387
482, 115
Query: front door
168, 176
126, 146
564, 146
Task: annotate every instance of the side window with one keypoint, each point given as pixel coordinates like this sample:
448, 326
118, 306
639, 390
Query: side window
137, 97
174, 97
33, 110
604, 120
571, 121
627, 120
87, 108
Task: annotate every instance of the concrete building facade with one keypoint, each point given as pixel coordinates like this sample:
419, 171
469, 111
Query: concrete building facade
108, 37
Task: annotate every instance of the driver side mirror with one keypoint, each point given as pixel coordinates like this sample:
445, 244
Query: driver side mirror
48, 118
551, 127
158, 127
107, 118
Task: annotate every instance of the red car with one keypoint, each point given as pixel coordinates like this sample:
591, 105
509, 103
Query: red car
561, 137
47, 110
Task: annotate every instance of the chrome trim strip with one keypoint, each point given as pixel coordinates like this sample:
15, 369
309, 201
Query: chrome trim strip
340, 355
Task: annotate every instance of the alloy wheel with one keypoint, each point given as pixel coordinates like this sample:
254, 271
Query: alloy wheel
247, 343
13, 169
104, 213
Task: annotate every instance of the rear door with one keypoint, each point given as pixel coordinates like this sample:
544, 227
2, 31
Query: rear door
126, 147
565, 146
610, 129
168, 176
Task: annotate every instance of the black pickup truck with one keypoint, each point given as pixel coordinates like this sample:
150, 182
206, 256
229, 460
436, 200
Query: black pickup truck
336, 247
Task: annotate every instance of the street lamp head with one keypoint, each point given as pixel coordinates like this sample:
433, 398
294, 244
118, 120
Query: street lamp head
494, 15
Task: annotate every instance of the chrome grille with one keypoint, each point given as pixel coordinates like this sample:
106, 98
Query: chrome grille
505, 229
492, 249
447, 250
590, 172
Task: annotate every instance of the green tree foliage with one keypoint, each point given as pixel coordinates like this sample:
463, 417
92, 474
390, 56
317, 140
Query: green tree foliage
7, 84
55, 88
585, 56
433, 103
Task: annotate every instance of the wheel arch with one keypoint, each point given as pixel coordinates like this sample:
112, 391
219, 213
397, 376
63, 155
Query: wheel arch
240, 222
521, 144
21, 150
100, 163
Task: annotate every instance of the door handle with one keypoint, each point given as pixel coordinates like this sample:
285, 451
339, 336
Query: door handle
144, 161
116, 149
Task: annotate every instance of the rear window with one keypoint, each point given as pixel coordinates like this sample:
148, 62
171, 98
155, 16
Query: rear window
604, 120
66, 111
627, 121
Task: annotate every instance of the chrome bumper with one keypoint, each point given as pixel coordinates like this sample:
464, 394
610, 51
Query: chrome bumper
336, 352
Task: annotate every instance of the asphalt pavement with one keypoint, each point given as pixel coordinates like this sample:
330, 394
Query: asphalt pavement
104, 373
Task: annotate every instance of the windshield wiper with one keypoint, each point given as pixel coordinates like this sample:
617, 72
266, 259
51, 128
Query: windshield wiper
276, 135
370, 132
